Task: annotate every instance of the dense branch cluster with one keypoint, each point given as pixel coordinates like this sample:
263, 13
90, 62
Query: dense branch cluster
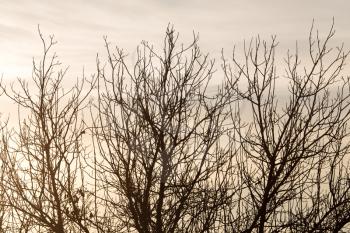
160, 146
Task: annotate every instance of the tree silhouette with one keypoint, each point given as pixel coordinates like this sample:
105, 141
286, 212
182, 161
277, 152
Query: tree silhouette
174, 150
293, 161
159, 135
43, 181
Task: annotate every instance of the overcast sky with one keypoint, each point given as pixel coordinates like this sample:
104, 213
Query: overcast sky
79, 26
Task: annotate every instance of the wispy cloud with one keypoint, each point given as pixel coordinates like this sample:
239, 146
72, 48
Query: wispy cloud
79, 25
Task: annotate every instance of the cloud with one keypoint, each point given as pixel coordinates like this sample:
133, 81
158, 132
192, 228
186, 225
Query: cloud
80, 25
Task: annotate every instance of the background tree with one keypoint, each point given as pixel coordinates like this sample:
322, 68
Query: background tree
159, 134
292, 168
44, 175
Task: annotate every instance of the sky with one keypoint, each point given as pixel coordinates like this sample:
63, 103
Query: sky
79, 26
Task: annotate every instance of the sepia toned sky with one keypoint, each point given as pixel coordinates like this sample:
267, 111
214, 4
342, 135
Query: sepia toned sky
79, 26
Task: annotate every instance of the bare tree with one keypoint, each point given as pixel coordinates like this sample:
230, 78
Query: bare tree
5, 211
159, 134
43, 169
173, 151
292, 168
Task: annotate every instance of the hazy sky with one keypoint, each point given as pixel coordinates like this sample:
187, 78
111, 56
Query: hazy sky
79, 26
